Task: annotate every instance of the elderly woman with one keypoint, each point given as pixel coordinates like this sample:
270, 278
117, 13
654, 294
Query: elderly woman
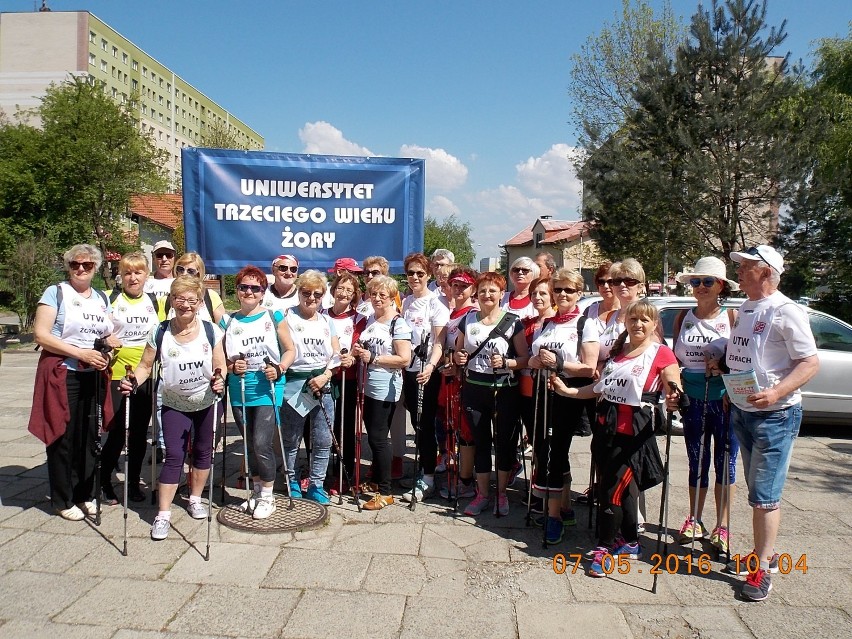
522, 273
608, 302
259, 350
307, 396
625, 450
384, 350
694, 331
462, 281
282, 294
567, 345
189, 351
72, 321
348, 326
490, 345
134, 315
428, 318
211, 307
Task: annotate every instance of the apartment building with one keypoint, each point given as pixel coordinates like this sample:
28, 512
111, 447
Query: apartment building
44, 47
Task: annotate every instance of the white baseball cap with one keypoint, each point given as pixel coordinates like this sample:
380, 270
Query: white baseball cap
761, 253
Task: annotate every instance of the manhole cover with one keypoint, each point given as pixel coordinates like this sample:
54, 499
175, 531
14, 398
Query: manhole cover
305, 515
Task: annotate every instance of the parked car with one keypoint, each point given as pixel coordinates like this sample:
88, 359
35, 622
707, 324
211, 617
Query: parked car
827, 398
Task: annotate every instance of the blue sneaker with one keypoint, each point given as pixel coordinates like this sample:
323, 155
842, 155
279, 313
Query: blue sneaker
553, 532
317, 494
629, 551
601, 562
295, 490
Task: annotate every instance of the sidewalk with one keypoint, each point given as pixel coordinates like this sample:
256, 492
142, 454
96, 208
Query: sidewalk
395, 573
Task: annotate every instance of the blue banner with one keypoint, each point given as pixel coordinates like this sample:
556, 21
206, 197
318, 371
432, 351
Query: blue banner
247, 207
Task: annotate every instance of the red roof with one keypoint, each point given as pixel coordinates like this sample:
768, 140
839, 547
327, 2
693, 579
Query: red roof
165, 209
554, 231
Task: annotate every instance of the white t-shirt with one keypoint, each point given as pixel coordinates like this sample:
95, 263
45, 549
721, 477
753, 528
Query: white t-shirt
424, 315
562, 339
769, 337
159, 287
522, 307
186, 369
475, 332
275, 303
696, 335
383, 383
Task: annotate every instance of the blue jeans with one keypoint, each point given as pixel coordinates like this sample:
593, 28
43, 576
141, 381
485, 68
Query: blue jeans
293, 425
766, 444
715, 433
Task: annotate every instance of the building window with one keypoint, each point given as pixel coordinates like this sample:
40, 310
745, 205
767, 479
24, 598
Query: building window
144, 110
124, 58
134, 65
92, 37
103, 65
169, 105
103, 44
539, 238
134, 85
115, 52
160, 99
169, 122
160, 117
114, 92
169, 87
144, 72
161, 83
92, 59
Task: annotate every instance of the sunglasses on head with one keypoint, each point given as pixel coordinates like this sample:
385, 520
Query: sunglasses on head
317, 295
246, 288
708, 282
756, 251
416, 273
521, 270
562, 289
627, 281
282, 268
86, 266
180, 270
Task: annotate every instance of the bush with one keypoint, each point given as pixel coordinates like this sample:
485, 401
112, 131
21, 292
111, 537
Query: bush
33, 268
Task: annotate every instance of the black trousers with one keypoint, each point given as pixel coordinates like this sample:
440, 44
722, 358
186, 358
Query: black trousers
426, 442
483, 404
378, 416
140, 417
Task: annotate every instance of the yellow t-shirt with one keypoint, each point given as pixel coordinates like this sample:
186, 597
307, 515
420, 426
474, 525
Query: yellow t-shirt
133, 320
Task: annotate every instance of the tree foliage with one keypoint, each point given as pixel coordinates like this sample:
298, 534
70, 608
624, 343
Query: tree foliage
31, 269
704, 159
449, 234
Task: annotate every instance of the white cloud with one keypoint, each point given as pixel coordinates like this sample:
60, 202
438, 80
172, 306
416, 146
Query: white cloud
444, 172
441, 207
323, 138
552, 177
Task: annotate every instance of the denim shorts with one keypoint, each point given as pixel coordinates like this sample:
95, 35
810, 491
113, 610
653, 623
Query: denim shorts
766, 444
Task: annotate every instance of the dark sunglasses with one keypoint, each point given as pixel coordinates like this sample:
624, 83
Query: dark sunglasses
180, 270
373, 273
416, 273
560, 289
520, 269
756, 251
708, 282
86, 266
164, 254
246, 288
604, 282
283, 268
317, 295
628, 281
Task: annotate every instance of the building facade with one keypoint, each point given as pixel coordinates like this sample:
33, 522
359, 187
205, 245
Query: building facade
41, 48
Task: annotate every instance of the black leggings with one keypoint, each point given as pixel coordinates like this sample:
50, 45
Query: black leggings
565, 415
137, 439
618, 491
378, 416
479, 403
427, 444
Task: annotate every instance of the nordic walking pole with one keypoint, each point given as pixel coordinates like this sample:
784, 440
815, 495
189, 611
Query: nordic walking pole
726, 482
536, 389
359, 424
334, 441
548, 438
341, 464
245, 432
217, 373
155, 432
224, 440
700, 461
683, 403
128, 369
104, 349
418, 427
277, 415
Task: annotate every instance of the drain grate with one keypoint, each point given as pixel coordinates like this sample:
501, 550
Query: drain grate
305, 515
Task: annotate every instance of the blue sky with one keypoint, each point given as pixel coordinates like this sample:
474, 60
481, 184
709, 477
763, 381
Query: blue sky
477, 88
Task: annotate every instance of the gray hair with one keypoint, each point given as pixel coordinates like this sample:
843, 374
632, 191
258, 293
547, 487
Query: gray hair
443, 254
91, 251
549, 262
526, 262
774, 277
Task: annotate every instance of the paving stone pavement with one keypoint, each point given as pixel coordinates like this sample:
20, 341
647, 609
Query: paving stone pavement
397, 573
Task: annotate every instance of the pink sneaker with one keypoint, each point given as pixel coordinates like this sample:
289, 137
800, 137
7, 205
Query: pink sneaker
477, 506
501, 507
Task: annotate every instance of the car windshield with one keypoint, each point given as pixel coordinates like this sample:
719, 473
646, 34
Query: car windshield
830, 334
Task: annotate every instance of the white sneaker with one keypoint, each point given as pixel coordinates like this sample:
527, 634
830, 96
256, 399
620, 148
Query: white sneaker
421, 490
197, 510
249, 505
264, 507
160, 529
88, 508
71, 514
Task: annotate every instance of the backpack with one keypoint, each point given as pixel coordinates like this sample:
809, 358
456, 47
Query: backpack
116, 292
164, 326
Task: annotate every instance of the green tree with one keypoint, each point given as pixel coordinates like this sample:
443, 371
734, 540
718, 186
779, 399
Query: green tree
450, 234
708, 154
32, 268
220, 136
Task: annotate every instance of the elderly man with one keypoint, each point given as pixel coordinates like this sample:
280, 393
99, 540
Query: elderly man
163, 256
773, 338
282, 293
546, 264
